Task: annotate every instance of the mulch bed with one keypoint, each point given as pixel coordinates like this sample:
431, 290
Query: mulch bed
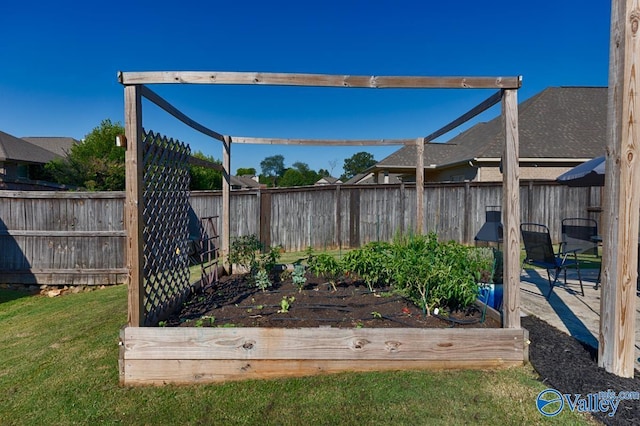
570, 366
233, 302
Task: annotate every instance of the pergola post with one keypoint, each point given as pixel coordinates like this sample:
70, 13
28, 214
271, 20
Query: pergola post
419, 185
226, 203
134, 169
621, 199
511, 210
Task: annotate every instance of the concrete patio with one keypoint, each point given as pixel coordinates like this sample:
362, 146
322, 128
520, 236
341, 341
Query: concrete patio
567, 309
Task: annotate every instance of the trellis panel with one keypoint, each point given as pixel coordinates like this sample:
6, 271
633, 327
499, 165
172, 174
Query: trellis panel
165, 225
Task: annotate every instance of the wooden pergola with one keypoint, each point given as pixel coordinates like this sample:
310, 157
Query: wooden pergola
135, 88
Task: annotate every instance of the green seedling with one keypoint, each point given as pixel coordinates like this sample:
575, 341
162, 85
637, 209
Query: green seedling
285, 304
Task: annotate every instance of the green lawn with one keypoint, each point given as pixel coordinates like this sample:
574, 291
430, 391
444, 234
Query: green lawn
58, 366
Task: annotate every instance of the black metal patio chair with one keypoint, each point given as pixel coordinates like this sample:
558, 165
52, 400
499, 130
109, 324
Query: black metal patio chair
580, 235
540, 253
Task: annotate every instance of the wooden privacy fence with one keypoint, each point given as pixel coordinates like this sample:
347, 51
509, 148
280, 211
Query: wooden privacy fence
350, 216
78, 237
61, 238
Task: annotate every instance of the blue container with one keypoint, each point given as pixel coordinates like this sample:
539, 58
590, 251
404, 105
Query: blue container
491, 294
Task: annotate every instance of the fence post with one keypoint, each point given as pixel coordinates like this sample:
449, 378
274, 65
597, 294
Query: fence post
226, 203
419, 185
467, 213
338, 228
265, 218
354, 218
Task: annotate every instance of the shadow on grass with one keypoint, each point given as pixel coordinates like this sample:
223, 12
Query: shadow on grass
10, 295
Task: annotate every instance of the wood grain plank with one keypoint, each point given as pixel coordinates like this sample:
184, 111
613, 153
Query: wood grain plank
322, 343
321, 142
319, 80
162, 103
621, 201
162, 372
511, 211
133, 203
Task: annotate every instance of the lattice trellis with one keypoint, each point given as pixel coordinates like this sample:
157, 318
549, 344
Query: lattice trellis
166, 225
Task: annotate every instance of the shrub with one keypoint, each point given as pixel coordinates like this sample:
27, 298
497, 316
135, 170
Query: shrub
431, 273
326, 266
372, 263
244, 252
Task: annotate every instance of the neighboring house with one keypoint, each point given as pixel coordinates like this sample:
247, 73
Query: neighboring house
369, 178
328, 180
21, 161
245, 182
559, 128
60, 146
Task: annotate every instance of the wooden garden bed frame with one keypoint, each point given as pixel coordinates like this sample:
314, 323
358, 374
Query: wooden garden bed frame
152, 355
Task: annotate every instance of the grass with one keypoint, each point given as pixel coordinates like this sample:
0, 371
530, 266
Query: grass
59, 366
301, 256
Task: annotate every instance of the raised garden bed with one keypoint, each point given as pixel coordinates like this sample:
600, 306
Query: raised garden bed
233, 331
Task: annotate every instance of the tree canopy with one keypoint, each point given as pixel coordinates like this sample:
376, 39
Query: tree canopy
273, 168
357, 163
203, 178
299, 175
246, 171
95, 164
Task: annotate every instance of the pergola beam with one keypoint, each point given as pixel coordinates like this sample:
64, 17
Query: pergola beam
318, 80
480, 108
160, 102
321, 142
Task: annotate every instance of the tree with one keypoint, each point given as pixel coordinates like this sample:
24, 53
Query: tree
96, 164
273, 168
357, 163
246, 171
204, 178
299, 175
291, 177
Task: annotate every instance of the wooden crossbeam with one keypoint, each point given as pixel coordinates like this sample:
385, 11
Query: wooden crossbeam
319, 80
160, 102
195, 161
321, 142
481, 107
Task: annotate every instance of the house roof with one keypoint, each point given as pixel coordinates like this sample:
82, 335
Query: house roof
557, 123
58, 145
329, 179
244, 182
19, 150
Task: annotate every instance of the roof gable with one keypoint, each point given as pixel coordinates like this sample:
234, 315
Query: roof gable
559, 122
58, 145
19, 150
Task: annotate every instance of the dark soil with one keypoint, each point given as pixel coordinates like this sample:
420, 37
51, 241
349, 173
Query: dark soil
562, 362
233, 302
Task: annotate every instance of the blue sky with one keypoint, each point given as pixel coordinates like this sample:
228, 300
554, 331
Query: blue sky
60, 61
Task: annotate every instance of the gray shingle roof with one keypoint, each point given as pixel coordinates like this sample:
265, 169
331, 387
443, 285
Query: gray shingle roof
19, 150
244, 182
559, 122
58, 145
